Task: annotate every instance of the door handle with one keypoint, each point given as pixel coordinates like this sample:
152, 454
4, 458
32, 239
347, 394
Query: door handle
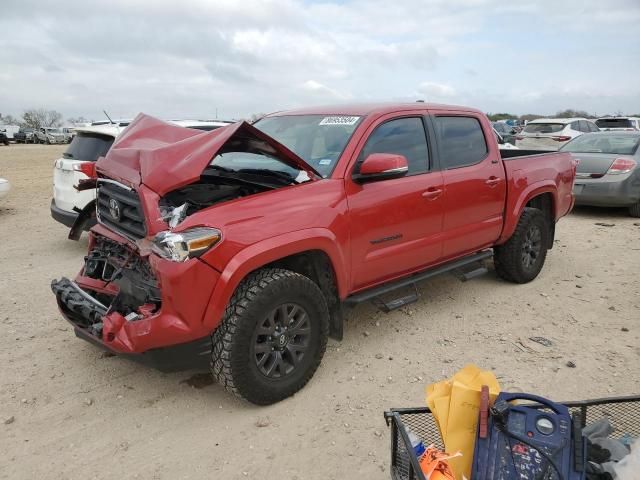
493, 181
432, 193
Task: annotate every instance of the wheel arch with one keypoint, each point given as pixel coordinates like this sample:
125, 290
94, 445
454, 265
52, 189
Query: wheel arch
314, 254
541, 196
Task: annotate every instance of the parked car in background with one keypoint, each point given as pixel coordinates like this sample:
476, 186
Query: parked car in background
243, 245
5, 186
506, 131
78, 163
608, 174
24, 135
69, 133
552, 133
618, 123
3, 138
10, 130
49, 135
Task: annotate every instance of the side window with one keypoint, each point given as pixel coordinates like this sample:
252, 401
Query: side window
404, 136
575, 126
593, 127
461, 141
584, 126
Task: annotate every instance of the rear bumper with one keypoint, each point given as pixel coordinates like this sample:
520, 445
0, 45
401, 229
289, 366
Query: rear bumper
602, 193
65, 217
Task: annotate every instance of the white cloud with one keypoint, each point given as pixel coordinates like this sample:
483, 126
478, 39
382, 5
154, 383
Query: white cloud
436, 91
194, 57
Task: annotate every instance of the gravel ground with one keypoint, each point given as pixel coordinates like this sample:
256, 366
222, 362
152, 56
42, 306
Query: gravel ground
70, 411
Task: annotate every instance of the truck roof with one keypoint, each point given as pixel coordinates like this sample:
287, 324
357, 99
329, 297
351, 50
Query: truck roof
362, 109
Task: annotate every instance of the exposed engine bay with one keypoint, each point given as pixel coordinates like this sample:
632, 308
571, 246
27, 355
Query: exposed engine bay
197, 196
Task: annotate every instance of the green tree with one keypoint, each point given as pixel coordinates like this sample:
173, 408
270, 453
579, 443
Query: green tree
494, 117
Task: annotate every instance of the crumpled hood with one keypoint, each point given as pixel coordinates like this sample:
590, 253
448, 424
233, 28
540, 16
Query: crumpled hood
165, 157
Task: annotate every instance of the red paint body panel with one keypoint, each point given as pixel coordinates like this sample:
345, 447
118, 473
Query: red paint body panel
371, 232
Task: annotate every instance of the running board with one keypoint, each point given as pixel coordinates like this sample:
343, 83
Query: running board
456, 265
472, 271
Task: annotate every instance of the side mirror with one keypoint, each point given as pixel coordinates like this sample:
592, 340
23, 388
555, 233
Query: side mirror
382, 166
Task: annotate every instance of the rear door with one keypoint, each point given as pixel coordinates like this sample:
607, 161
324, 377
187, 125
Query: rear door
474, 183
395, 224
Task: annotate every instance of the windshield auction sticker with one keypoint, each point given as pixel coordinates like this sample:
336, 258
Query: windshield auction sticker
341, 120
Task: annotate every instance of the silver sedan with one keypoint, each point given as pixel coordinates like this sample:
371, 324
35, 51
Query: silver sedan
608, 174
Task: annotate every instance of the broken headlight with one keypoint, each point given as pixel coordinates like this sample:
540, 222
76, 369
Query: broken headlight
181, 246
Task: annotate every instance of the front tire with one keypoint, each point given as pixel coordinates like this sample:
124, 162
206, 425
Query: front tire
272, 337
634, 210
522, 257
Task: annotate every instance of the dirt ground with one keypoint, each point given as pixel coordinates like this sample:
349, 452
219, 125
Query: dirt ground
70, 411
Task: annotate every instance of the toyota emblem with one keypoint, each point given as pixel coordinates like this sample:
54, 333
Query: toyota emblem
114, 209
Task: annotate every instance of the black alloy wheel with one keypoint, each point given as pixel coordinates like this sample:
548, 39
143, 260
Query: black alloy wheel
281, 341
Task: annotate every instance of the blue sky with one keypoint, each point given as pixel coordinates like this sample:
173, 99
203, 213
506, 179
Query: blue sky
187, 59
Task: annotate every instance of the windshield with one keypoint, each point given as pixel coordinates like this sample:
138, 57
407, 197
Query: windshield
599, 143
318, 139
544, 127
614, 123
88, 146
252, 158
53, 130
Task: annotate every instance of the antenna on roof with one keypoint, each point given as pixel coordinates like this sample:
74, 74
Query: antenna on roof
107, 115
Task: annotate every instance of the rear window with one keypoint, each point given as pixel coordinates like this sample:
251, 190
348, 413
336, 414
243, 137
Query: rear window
614, 123
544, 127
604, 143
88, 146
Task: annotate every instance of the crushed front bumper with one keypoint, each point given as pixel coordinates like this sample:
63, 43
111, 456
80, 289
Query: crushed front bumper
174, 331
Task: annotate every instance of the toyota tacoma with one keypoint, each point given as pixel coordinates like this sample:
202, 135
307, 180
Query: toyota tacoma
245, 245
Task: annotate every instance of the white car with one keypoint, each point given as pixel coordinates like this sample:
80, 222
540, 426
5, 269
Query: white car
552, 133
5, 186
618, 123
78, 163
49, 135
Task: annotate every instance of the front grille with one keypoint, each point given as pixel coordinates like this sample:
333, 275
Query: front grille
119, 209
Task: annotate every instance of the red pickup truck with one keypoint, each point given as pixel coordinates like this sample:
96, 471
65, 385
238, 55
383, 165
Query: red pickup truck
244, 245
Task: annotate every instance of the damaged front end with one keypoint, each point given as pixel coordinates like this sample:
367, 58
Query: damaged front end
123, 282
145, 284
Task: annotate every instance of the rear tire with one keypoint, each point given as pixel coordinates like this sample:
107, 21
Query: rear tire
522, 257
634, 210
249, 356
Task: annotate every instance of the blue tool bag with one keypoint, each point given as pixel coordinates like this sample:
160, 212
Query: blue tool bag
536, 440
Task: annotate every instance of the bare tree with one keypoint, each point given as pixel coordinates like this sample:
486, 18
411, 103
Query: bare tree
8, 120
77, 120
36, 118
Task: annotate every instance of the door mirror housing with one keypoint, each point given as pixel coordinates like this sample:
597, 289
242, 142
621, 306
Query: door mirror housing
382, 166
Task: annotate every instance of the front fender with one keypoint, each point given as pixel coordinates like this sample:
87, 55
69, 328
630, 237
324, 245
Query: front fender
513, 212
267, 251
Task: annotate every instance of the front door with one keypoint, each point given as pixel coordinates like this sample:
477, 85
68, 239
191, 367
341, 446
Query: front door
395, 224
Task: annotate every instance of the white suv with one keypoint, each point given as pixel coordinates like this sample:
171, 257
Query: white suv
552, 133
618, 123
78, 163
